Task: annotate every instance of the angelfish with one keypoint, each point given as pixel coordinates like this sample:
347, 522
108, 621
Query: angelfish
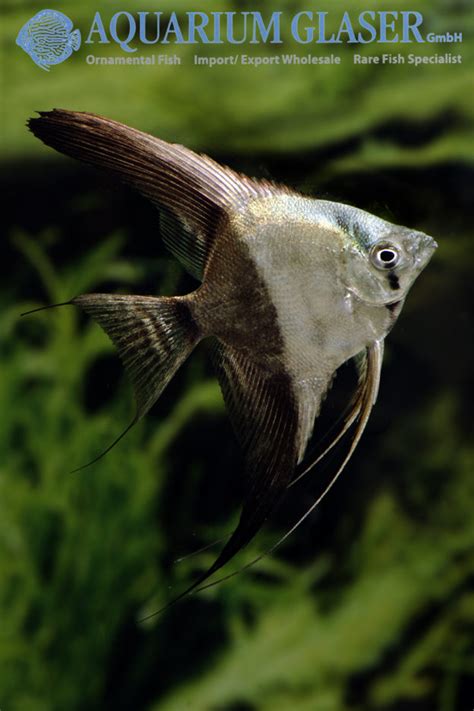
291, 288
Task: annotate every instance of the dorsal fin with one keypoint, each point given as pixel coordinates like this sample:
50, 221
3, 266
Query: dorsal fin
194, 189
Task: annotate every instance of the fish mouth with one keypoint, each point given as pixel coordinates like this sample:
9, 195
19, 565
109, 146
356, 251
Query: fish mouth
362, 299
392, 305
428, 244
428, 247
424, 241
419, 242
422, 250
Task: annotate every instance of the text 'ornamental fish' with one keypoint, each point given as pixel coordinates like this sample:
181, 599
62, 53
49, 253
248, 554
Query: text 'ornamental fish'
291, 288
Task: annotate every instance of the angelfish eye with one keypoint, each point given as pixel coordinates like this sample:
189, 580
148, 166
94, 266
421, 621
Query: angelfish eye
384, 256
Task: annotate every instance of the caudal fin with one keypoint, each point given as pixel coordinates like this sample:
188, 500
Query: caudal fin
153, 336
75, 39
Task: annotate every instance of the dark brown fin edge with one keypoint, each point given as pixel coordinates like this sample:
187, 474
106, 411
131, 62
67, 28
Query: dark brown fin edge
44, 308
199, 192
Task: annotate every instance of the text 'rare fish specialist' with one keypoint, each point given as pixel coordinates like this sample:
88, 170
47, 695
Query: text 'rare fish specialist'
291, 288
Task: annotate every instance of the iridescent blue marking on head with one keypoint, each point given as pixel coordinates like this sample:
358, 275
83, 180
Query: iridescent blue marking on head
385, 259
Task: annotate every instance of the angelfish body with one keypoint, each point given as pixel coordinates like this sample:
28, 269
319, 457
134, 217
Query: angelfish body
299, 294
291, 288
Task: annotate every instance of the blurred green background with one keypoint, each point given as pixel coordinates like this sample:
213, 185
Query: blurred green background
370, 605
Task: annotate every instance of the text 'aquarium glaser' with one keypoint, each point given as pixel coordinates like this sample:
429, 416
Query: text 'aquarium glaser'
291, 288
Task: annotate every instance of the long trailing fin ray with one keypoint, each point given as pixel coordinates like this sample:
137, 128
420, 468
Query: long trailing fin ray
268, 470
196, 552
44, 308
348, 419
199, 192
308, 465
266, 416
370, 379
107, 449
153, 336
122, 434
352, 412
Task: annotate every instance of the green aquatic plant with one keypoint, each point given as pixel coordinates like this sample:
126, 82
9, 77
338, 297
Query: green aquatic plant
84, 555
370, 606
60, 533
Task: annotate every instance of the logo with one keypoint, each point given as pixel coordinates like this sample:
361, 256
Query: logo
48, 38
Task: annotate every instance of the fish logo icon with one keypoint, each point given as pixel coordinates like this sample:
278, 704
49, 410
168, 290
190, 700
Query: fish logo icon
48, 38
